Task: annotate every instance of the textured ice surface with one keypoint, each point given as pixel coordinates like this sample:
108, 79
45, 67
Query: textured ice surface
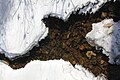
20, 21
106, 34
20, 26
47, 70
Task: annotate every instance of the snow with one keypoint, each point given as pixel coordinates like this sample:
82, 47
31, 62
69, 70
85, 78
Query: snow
20, 21
47, 70
21, 28
92, 6
105, 34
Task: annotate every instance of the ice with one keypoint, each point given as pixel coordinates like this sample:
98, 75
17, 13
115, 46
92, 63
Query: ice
21, 26
47, 70
105, 34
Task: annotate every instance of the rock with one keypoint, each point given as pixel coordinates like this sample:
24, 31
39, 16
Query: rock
104, 14
82, 47
90, 54
102, 62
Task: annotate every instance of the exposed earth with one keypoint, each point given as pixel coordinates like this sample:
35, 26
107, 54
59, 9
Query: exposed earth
66, 40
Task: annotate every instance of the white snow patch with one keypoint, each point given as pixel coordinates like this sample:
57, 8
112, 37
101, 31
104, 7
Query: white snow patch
47, 70
106, 34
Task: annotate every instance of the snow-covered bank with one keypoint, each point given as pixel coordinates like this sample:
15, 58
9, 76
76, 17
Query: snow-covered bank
20, 27
20, 21
47, 70
106, 34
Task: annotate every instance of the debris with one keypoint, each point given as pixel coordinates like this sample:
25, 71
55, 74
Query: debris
104, 14
82, 47
89, 54
102, 62
5, 62
108, 25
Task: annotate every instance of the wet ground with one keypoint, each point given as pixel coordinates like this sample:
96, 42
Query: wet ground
66, 40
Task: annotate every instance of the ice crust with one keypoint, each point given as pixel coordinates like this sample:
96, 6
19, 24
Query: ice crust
106, 34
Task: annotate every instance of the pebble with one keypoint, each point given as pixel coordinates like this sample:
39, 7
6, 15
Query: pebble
90, 54
82, 47
102, 62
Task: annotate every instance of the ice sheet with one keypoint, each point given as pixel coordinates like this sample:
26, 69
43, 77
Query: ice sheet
47, 70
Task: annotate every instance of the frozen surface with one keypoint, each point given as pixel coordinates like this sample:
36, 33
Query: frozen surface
106, 34
20, 21
20, 26
47, 70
